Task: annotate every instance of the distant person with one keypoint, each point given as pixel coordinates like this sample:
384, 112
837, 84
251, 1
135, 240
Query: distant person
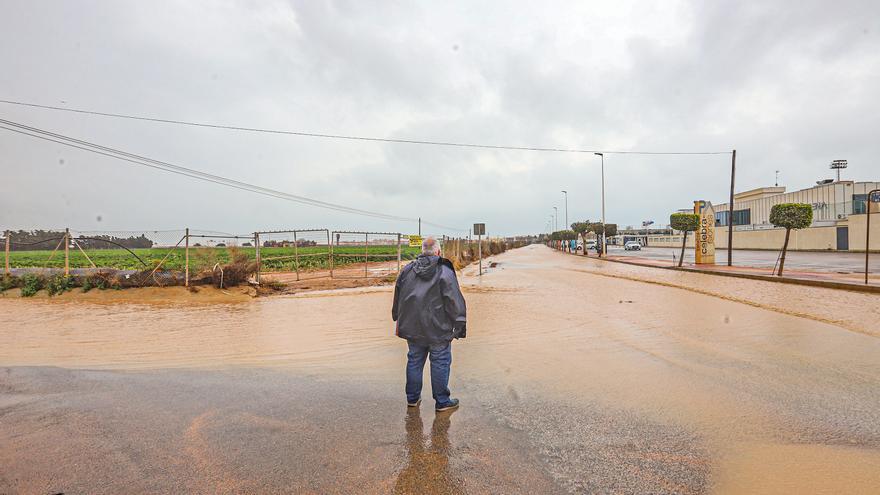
430, 311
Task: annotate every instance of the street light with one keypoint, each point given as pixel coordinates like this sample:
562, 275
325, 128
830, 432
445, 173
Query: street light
555, 219
837, 165
604, 243
566, 208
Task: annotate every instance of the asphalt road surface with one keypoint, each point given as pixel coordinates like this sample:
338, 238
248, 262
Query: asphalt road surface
577, 376
835, 262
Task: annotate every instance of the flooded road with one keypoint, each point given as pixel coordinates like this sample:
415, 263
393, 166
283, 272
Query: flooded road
577, 376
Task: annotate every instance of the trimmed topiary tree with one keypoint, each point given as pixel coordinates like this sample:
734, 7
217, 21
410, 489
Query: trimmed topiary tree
685, 222
790, 216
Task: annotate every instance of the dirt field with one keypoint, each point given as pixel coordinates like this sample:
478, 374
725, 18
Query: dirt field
577, 376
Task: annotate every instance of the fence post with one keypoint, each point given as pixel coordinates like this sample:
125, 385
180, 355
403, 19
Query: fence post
257, 247
398, 252
330, 253
480, 252
366, 253
66, 252
296, 255
186, 250
7, 252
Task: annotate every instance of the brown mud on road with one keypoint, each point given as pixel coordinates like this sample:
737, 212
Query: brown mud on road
571, 382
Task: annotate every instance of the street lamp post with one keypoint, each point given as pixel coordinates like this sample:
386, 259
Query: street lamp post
555, 219
604, 236
566, 208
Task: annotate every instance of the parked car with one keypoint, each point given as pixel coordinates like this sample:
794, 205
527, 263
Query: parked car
632, 246
591, 244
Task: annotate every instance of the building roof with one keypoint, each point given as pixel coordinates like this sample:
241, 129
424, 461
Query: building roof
759, 193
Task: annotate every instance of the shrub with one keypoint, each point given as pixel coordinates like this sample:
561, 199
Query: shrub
31, 283
7, 282
58, 284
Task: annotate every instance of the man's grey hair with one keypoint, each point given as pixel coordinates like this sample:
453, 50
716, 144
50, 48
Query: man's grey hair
430, 246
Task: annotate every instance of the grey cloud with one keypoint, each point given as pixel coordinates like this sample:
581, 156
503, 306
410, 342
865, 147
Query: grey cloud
791, 86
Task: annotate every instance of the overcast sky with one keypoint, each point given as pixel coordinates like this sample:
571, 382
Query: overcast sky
790, 85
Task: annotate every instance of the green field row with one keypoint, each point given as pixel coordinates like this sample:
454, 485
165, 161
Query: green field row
314, 257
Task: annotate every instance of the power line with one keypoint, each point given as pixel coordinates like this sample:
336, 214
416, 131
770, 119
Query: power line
176, 169
357, 138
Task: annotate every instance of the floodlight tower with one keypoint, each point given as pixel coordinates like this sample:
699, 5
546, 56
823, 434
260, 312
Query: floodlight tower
837, 165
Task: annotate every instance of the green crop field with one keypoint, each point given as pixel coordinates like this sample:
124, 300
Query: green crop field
314, 257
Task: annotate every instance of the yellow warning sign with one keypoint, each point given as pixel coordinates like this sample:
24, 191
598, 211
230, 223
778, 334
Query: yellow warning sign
415, 241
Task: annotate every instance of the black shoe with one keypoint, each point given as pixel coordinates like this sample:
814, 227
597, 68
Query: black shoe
414, 404
453, 404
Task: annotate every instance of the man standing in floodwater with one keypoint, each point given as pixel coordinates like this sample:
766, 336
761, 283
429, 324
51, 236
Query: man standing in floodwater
430, 311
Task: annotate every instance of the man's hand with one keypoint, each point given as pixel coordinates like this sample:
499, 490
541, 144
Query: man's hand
459, 330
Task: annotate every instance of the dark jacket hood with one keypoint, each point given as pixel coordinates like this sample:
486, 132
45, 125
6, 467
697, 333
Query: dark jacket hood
425, 266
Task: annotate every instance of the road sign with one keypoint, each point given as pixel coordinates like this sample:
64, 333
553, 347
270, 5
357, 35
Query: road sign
415, 241
479, 229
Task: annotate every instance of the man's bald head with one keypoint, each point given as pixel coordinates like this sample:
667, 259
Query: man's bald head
430, 246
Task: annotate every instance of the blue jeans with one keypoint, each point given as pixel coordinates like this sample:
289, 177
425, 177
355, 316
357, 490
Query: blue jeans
441, 359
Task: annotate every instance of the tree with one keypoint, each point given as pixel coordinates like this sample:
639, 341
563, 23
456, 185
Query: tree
790, 216
582, 229
600, 229
685, 222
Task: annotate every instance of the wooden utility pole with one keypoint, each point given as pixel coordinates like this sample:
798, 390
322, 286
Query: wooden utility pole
7, 252
330, 253
186, 250
257, 247
398, 253
296, 254
66, 252
730, 210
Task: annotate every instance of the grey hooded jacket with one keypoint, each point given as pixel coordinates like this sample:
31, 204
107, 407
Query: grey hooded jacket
428, 305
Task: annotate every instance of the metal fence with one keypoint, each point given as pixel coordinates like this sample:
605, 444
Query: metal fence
177, 257
307, 253
366, 254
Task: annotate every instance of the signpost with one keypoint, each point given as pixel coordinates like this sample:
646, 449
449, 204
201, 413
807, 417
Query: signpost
704, 252
480, 231
873, 199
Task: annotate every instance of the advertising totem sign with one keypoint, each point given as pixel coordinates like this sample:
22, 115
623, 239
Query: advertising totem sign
704, 250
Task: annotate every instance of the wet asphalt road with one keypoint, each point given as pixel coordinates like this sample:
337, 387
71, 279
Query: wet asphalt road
577, 377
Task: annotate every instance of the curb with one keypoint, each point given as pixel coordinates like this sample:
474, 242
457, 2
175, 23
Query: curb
874, 289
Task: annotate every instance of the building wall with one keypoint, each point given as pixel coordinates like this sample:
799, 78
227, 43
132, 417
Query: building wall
814, 238
831, 202
857, 228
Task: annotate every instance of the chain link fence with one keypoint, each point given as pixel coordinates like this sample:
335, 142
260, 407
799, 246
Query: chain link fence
369, 254
296, 255
185, 256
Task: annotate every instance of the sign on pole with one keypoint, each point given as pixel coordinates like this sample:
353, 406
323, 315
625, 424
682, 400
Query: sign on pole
480, 231
704, 252
415, 241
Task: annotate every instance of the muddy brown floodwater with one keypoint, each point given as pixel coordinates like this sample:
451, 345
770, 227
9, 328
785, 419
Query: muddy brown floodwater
577, 376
